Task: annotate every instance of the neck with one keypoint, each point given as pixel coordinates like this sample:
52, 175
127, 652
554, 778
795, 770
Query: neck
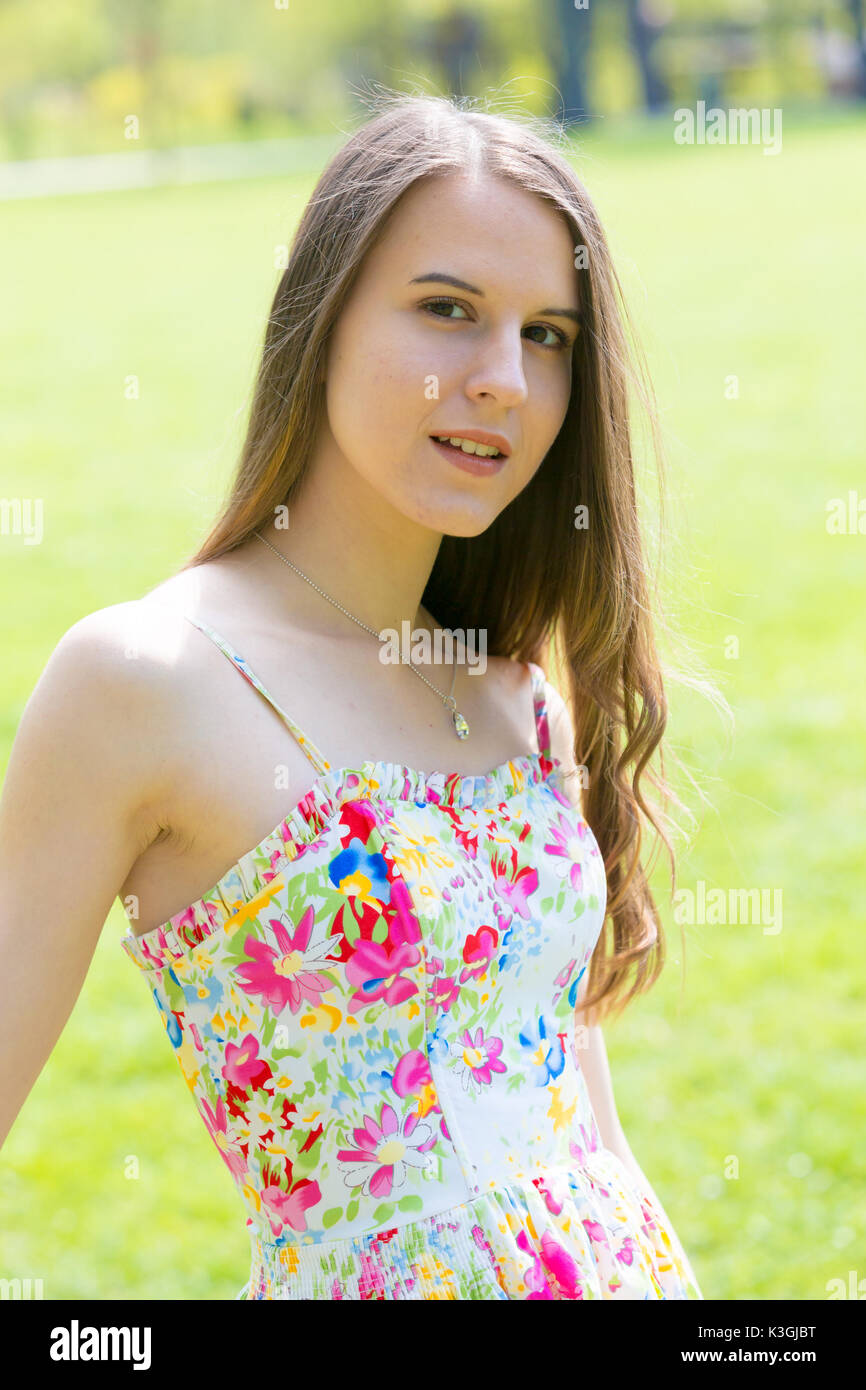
366, 556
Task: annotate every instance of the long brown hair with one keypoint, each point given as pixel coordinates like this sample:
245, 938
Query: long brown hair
575, 601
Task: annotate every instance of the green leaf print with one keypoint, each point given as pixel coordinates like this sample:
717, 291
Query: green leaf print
410, 1203
347, 1088
545, 904
351, 929
173, 991
383, 1212
268, 1027
304, 1163
352, 1209
562, 1008
331, 1216
320, 1072
416, 1035
380, 931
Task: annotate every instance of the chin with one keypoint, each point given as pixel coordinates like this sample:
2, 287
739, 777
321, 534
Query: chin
461, 516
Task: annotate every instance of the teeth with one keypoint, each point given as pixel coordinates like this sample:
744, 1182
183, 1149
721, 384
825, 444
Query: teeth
468, 446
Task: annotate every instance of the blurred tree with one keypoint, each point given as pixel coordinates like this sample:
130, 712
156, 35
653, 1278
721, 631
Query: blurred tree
646, 20
855, 8
460, 47
455, 39
570, 39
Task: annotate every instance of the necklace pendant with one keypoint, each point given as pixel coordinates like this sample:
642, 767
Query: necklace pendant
460, 725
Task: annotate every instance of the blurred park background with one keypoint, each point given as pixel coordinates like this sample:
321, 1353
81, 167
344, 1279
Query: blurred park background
195, 71
740, 1078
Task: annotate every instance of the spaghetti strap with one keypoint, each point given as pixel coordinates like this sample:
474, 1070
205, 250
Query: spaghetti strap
539, 692
319, 761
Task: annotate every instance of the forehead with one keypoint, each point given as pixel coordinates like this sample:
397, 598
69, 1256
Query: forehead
482, 228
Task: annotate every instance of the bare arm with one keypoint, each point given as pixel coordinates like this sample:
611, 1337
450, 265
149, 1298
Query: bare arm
75, 814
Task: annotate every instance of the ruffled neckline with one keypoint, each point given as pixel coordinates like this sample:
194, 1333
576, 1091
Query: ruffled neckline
307, 820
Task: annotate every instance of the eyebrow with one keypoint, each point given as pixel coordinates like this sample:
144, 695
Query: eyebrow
440, 277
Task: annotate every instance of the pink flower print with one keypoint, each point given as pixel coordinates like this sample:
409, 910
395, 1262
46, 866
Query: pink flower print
404, 925
227, 1142
444, 992
244, 1067
552, 1203
188, 929
478, 951
484, 1244
385, 1152
534, 1277
375, 971
568, 838
561, 1266
283, 977
288, 1208
476, 1059
411, 1073
580, 1152
565, 974
626, 1252
515, 886
371, 1282
412, 1078
596, 1232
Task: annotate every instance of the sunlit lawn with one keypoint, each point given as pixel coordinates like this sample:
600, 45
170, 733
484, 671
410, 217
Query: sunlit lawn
741, 1085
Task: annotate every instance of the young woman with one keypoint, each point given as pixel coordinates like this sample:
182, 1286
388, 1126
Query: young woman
388, 1009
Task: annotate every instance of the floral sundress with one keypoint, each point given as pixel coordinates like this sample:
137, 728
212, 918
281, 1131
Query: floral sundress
374, 1013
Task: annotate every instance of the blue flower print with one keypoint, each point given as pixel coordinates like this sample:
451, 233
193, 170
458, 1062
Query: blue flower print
202, 1000
353, 869
572, 992
546, 1053
437, 1046
172, 1027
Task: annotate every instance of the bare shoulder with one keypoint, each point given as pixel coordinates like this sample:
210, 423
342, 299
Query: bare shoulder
142, 644
90, 751
132, 646
115, 676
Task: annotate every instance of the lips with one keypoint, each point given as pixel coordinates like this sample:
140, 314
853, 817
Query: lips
494, 441
469, 463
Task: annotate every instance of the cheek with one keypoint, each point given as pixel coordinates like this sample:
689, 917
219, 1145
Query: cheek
549, 398
380, 380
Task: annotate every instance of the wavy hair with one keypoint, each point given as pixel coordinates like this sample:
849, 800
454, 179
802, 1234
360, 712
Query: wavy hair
575, 601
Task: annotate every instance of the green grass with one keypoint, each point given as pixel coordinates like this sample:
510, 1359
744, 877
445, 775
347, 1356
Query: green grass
739, 1078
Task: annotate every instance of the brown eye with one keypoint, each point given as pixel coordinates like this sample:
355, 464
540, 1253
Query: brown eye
431, 305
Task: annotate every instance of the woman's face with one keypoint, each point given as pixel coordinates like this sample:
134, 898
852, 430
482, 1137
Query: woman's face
404, 366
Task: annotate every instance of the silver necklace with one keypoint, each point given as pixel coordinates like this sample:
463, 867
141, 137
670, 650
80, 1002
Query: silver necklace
461, 728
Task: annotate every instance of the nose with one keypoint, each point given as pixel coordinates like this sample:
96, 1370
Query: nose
496, 369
